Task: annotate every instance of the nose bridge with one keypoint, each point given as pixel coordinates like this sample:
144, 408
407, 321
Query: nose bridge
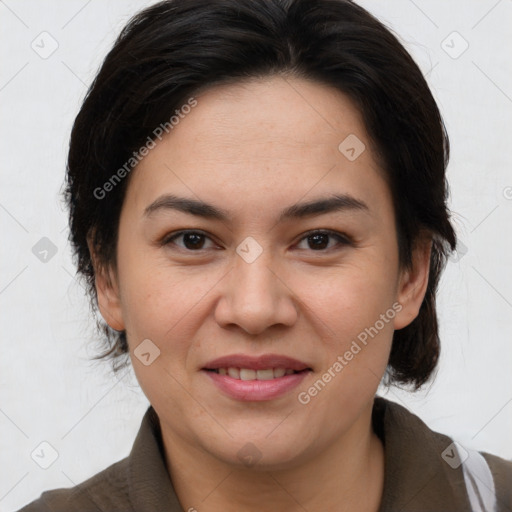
253, 281
255, 297
253, 267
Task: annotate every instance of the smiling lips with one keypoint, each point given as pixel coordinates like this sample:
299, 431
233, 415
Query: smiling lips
261, 378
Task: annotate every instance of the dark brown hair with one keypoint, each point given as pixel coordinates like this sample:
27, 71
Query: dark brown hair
169, 51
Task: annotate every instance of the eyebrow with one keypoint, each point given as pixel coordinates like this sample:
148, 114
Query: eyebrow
321, 206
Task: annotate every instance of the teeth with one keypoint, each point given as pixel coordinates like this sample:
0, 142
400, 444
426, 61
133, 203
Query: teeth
279, 372
234, 373
249, 374
246, 374
265, 374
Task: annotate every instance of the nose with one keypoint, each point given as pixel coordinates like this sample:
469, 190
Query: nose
255, 296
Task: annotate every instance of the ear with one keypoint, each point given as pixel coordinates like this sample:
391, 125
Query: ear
413, 282
107, 290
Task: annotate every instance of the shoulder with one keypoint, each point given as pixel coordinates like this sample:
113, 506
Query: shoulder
425, 466
107, 490
137, 482
501, 470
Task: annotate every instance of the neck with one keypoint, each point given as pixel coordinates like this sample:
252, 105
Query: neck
347, 476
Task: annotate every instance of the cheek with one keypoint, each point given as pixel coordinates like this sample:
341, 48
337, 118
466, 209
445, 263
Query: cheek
166, 304
163, 306
354, 308
353, 295
356, 314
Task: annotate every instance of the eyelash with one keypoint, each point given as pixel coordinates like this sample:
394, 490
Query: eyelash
343, 239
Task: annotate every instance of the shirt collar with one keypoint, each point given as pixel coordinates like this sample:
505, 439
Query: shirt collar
149, 481
416, 477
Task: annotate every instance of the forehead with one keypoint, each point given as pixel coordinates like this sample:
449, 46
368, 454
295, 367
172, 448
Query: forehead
272, 115
264, 141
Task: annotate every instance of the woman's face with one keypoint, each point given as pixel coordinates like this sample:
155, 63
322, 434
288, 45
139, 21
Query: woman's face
256, 287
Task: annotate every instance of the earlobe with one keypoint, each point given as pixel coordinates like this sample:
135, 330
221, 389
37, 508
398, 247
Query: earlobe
107, 291
109, 302
413, 283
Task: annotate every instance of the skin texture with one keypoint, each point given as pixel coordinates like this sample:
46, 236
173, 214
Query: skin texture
254, 149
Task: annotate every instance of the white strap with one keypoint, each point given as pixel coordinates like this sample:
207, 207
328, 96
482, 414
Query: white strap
479, 480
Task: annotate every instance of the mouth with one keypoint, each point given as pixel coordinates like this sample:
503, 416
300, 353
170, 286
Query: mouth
247, 378
247, 374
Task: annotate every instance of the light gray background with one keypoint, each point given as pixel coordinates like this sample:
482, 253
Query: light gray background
51, 392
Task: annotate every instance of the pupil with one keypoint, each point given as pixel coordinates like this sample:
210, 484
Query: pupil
321, 238
193, 240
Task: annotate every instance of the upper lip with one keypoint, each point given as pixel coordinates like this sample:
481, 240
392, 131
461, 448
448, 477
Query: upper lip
256, 363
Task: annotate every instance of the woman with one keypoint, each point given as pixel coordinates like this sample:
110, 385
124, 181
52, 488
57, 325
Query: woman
257, 202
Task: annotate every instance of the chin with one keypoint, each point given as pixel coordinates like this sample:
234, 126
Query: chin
260, 453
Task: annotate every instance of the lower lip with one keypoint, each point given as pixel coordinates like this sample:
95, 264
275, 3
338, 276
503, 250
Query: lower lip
256, 390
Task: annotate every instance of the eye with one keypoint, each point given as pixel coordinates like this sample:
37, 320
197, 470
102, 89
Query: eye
318, 240
192, 240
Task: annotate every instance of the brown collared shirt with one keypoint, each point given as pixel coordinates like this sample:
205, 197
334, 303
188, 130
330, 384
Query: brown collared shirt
417, 477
